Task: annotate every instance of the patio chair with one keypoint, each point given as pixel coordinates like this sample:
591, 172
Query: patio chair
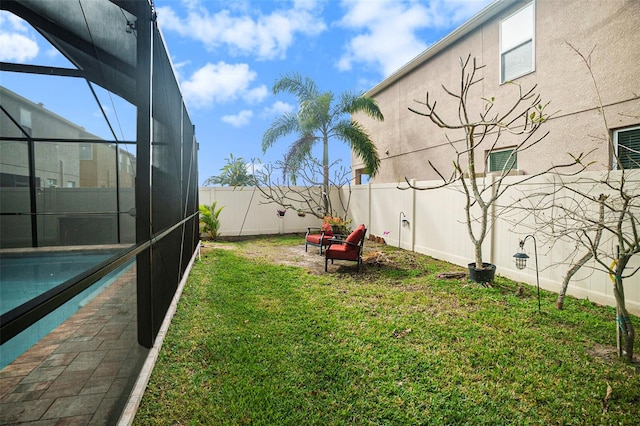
349, 249
318, 237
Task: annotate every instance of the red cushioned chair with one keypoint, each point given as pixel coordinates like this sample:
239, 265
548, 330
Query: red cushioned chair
349, 249
318, 239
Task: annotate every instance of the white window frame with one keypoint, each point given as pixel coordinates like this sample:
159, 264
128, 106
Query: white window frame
496, 151
503, 51
614, 163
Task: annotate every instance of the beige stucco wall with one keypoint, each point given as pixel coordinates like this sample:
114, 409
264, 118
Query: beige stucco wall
605, 29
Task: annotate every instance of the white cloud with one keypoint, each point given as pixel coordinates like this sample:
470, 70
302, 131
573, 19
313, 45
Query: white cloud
14, 22
266, 36
220, 83
256, 95
107, 110
243, 118
305, 4
53, 53
278, 108
15, 42
388, 29
178, 67
17, 47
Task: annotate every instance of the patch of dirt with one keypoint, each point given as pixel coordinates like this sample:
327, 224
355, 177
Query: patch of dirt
605, 353
296, 256
610, 354
311, 260
208, 246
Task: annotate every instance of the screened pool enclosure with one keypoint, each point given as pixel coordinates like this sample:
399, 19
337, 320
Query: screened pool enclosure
98, 159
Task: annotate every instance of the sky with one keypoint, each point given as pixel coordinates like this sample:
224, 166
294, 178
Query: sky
227, 55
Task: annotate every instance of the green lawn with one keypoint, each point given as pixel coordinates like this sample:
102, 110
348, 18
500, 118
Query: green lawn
258, 343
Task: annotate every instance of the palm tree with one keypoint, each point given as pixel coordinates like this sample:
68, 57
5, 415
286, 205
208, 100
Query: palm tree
318, 120
210, 220
234, 173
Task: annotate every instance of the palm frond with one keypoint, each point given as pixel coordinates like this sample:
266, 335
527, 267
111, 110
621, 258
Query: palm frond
314, 113
350, 104
301, 87
281, 126
297, 153
354, 134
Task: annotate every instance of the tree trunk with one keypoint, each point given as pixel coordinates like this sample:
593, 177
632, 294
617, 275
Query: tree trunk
570, 273
325, 181
478, 254
623, 319
475, 198
584, 259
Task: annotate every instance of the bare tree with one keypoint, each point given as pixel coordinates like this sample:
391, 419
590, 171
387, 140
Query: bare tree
521, 119
308, 194
601, 218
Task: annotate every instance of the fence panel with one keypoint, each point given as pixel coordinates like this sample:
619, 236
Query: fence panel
246, 212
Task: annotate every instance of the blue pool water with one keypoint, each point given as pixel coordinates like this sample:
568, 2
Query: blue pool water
26, 276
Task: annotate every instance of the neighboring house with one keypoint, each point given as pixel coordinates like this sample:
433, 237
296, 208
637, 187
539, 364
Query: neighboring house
57, 165
69, 163
526, 42
75, 172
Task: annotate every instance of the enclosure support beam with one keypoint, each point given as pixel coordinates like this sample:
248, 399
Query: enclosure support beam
144, 130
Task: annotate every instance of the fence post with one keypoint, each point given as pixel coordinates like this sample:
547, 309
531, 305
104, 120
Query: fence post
413, 214
368, 224
491, 221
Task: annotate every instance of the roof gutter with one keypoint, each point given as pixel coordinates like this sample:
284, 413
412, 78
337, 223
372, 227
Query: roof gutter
480, 18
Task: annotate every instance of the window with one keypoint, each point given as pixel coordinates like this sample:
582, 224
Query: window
516, 44
627, 145
52, 183
362, 177
504, 159
25, 120
86, 151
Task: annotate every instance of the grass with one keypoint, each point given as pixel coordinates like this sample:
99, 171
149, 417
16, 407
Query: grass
258, 343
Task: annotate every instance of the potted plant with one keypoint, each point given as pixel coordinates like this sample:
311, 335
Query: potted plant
480, 133
338, 225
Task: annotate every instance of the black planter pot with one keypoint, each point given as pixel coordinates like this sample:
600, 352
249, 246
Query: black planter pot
484, 275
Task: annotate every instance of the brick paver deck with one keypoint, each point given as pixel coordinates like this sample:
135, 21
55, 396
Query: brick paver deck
84, 370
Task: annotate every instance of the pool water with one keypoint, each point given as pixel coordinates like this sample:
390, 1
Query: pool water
27, 276
24, 277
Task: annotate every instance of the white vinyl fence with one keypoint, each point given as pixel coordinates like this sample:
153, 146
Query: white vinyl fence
434, 225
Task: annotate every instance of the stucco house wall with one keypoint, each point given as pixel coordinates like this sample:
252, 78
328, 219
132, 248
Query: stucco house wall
607, 31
